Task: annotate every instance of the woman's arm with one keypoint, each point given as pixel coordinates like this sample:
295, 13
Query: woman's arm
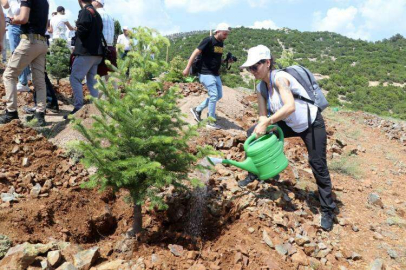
4, 4
69, 26
287, 109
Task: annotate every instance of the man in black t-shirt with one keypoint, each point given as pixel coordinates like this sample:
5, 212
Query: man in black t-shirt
211, 50
31, 50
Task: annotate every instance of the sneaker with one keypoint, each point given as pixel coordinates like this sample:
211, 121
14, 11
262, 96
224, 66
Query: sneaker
8, 117
30, 110
72, 112
197, 115
213, 126
327, 220
249, 179
23, 88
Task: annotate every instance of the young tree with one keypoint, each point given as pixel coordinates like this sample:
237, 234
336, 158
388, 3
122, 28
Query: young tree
286, 59
140, 140
58, 59
117, 30
176, 67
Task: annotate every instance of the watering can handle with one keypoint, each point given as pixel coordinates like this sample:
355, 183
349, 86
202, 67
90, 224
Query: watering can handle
253, 137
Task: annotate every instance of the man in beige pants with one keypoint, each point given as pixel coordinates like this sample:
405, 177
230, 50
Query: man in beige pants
32, 51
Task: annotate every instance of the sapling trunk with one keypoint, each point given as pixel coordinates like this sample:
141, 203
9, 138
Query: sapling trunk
137, 219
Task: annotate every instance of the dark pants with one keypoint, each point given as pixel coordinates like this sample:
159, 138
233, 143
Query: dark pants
315, 139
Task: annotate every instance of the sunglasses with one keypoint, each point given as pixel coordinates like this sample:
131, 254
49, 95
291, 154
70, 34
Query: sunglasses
254, 68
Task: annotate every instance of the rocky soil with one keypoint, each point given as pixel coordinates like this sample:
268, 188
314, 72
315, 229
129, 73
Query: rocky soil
48, 222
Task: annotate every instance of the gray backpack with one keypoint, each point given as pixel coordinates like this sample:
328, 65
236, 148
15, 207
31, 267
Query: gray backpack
307, 80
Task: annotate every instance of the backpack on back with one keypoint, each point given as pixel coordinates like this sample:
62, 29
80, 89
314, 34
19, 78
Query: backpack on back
309, 83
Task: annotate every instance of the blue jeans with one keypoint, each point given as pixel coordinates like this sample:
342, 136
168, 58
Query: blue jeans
215, 91
14, 33
84, 65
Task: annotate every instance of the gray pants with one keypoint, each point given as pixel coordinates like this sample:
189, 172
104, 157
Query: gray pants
84, 66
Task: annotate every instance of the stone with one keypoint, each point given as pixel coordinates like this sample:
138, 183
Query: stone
237, 257
253, 185
355, 256
377, 265
278, 219
21, 256
16, 148
267, 239
198, 267
176, 250
355, 228
67, 266
323, 253
251, 230
374, 199
5, 245
309, 249
300, 258
282, 249
111, 265
54, 257
321, 246
301, 240
26, 162
35, 191
392, 253
7, 197
85, 259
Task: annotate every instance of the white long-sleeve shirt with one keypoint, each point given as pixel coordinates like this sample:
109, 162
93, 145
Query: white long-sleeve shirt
108, 26
122, 39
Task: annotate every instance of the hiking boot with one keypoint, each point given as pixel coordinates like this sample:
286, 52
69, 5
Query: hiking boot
327, 220
8, 117
249, 179
213, 126
40, 116
53, 107
197, 115
72, 112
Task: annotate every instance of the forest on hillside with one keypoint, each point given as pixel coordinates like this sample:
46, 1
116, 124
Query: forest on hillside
368, 76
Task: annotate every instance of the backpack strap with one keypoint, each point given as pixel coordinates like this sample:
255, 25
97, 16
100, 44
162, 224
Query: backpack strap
92, 11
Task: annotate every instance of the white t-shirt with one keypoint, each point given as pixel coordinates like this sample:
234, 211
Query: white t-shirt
58, 26
122, 39
297, 121
14, 8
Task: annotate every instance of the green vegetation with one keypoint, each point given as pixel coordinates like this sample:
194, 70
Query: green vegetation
350, 64
58, 59
140, 140
346, 165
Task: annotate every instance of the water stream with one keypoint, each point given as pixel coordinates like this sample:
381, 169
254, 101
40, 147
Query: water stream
198, 204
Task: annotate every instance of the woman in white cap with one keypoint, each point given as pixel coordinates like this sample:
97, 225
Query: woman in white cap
295, 117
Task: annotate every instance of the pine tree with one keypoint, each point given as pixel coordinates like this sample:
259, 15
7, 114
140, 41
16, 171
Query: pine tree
140, 140
176, 67
58, 59
286, 59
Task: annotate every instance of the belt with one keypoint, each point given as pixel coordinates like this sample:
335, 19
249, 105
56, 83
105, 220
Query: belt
35, 36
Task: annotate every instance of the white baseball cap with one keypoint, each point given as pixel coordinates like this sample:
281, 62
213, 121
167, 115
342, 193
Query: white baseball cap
125, 28
256, 54
222, 27
101, 2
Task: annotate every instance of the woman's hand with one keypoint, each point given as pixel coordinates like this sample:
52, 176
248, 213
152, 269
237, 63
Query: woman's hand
260, 129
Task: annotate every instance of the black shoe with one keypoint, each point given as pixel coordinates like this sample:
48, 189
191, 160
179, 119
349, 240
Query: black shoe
40, 116
327, 220
197, 115
53, 107
8, 117
72, 112
249, 179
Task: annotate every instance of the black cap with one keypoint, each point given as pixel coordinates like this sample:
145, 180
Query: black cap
60, 9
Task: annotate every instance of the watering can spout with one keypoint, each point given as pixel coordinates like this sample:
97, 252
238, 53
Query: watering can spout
247, 165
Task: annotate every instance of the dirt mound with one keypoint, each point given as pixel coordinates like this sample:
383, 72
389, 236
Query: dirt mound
187, 89
28, 158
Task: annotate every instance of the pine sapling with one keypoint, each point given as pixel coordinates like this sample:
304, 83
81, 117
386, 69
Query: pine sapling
140, 140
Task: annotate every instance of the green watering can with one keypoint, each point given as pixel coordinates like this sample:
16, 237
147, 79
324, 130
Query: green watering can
265, 156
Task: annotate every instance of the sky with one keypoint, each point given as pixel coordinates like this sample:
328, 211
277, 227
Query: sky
369, 20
